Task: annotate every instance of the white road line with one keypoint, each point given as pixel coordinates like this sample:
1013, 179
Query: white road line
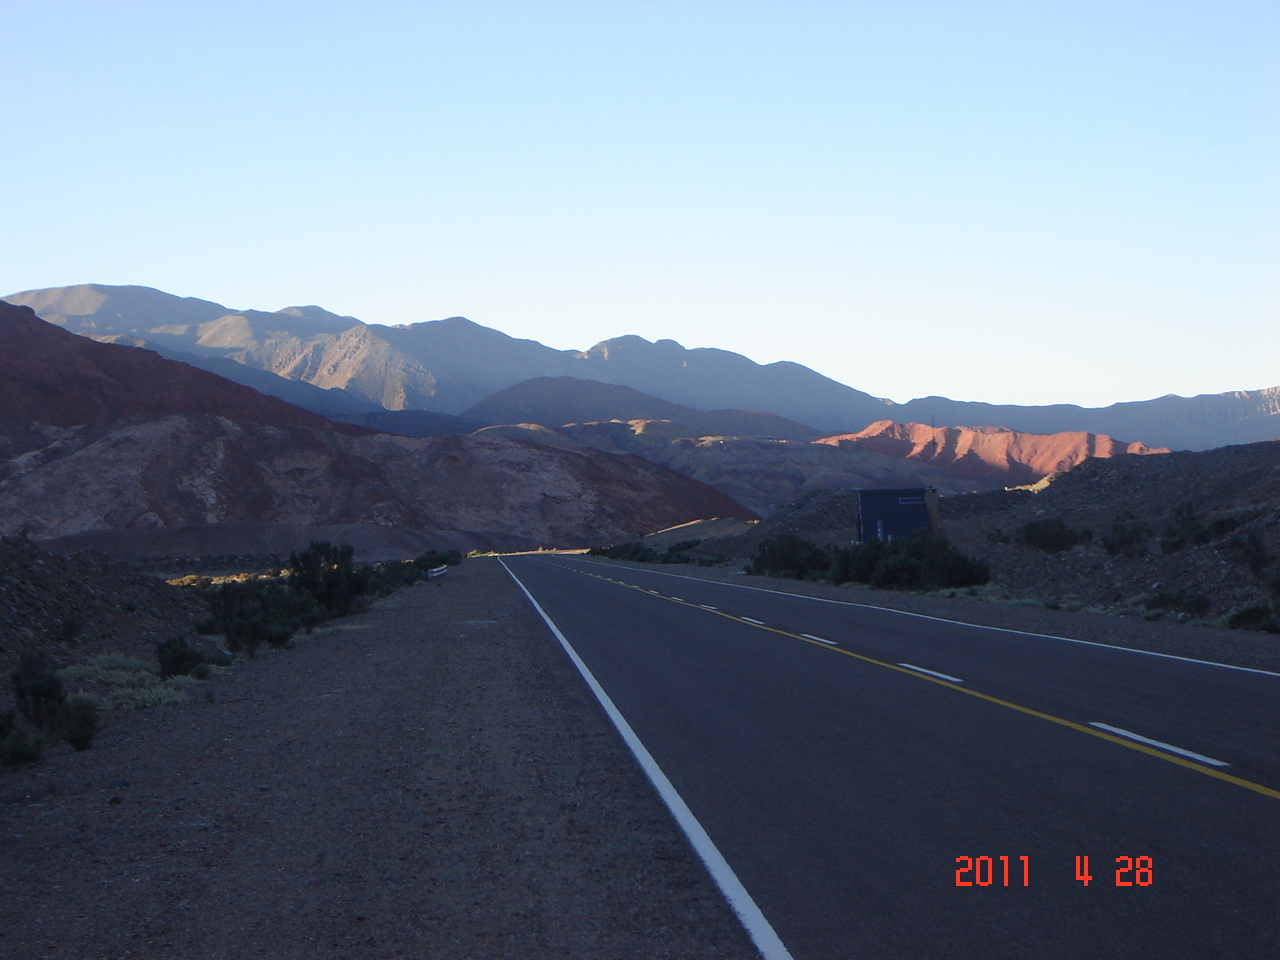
810, 636
962, 623
706, 606
757, 926
758, 623
932, 673
677, 599
1157, 743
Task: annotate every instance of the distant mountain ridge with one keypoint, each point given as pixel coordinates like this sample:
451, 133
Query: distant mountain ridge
554, 401
989, 454
52, 376
447, 366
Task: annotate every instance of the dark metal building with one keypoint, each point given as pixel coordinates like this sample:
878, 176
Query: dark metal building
890, 514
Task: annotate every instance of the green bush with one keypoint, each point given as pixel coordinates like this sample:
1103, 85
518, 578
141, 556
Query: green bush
20, 745
1052, 536
1126, 539
1192, 603
787, 555
37, 690
78, 722
387, 577
1185, 530
252, 613
328, 574
177, 657
636, 552
1258, 617
923, 561
639, 553
1254, 551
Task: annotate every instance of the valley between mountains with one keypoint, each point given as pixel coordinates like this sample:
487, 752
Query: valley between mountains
145, 436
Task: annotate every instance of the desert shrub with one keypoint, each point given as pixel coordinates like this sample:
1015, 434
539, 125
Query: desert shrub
1052, 535
177, 657
153, 693
787, 555
252, 613
328, 574
1224, 525
20, 745
1185, 530
387, 577
1258, 617
922, 561
78, 721
37, 689
119, 682
636, 552
1192, 603
639, 553
435, 558
116, 669
1126, 539
1253, 549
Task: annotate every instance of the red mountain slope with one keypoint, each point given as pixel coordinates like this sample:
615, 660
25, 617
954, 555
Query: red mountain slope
52, 376
987, 453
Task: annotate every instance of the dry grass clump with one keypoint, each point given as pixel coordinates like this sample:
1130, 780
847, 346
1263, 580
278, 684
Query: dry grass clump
114, 681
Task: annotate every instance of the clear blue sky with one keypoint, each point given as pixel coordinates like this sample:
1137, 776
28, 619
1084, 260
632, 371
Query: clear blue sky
1025, 202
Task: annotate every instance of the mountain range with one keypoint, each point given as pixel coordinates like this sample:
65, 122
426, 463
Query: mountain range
451, 366
108, 437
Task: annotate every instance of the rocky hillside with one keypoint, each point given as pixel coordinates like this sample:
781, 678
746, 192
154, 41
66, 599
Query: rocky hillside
988, 454
74, 607
767, 474
166, 472
1185, 535
761, 474
54, 377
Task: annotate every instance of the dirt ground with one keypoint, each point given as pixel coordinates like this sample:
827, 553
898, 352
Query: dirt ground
428, 779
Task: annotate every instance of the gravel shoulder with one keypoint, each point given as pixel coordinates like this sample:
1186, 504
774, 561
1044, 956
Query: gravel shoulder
430, 778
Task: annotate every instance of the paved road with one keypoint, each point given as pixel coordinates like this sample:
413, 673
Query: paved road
842, 758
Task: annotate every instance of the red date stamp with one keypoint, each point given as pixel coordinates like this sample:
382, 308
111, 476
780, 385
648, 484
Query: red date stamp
996, 871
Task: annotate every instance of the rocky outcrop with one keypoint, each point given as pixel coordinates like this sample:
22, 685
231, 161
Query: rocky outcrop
1180, 536
761, 474
75, 607
986, 454
166, 472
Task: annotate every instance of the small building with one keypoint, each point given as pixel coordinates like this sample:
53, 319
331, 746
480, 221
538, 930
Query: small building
889, 514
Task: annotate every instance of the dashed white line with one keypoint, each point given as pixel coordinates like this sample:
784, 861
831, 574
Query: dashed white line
758, 623
706, 606
963, 623
676, 599
932, 673
810, 636
1157, 743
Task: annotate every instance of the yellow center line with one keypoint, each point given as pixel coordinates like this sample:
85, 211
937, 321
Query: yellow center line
1061, 721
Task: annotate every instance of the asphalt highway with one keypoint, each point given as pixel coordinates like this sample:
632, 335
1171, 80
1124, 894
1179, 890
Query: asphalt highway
863, 772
